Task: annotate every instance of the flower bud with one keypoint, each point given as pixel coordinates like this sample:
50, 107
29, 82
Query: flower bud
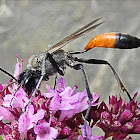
127, 127
66, 131
125, 116
116, 126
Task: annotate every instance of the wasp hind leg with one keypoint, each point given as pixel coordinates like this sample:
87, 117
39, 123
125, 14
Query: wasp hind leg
81, 67
97, 61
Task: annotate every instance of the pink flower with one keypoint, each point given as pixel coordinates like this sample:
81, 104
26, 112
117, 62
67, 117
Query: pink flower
19, 100
67, 100
119, 118
60, 85
45, 132
89, 136
59, 113
18, 67
27, 120
24, 125
75, 103
55, 103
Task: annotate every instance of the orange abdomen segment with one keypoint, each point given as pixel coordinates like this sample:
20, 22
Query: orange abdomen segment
106, 40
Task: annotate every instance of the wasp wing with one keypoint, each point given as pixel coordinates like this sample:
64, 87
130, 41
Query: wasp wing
82, 31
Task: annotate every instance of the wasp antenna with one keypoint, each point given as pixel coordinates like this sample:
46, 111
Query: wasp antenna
8, 74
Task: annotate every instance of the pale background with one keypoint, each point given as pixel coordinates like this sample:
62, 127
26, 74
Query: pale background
28, 26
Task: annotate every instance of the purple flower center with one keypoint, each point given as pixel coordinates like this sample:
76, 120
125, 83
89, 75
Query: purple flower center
43, 131
104, 115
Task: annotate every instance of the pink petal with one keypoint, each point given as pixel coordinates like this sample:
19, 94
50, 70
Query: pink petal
5, 114
55, 103
66, 114
95, 96
61, 85
66, 106
45, 132
28, 120
21, 92
18, 69
88, 129
95, 104
80, 138
7, 100
51, 90
81, 107
1, 87
53, 132
19, 101
97, 137
71, 99
68, 90
35, 118
30, 110
49, 95
23, 125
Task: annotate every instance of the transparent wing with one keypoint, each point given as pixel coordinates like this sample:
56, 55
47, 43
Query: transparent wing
82, 31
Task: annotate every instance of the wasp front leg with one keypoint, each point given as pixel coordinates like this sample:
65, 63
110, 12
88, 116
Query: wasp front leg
39, 82
43, 71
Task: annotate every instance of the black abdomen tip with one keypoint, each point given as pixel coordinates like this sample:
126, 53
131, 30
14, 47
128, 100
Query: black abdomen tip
125, 41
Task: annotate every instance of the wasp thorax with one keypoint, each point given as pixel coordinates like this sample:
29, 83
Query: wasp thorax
35, 61
31, 75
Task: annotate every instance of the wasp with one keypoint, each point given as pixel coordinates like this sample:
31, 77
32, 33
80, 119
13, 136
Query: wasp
43, 65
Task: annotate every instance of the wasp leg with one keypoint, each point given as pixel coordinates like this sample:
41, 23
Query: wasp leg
55, 81
43, 72
97, 61
39, 82
77, 52
81, 67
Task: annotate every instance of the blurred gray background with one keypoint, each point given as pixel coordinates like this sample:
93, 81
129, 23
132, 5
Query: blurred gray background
29, 26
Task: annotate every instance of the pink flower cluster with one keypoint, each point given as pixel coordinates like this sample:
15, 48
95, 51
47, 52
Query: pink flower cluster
51, 115
58, 114
117, 119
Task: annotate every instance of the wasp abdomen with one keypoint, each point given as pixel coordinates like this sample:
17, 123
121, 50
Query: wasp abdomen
125, 41
113, 40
